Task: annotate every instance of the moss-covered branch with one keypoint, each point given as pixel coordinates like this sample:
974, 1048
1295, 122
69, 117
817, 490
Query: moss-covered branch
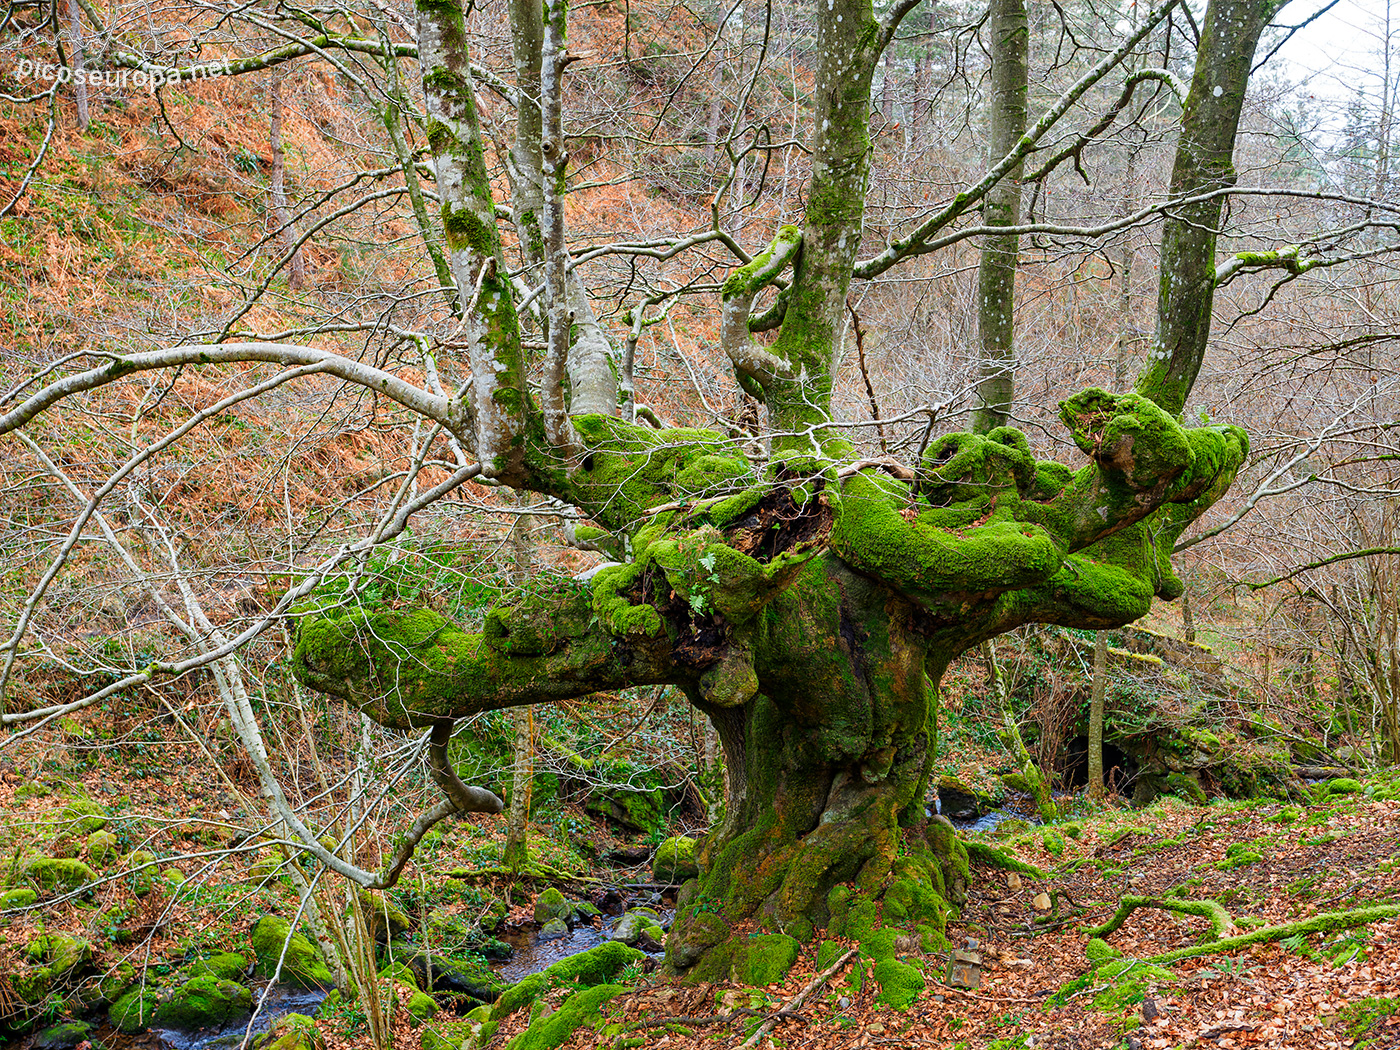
1326, 922
1221, 924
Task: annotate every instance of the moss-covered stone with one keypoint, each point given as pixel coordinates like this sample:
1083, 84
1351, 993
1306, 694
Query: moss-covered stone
63, 1036
82, 816
134, 1011
58, 874
551, 904
227, 966
301, 963
900, 984
555, 1029
764, 959
421, 1006
593, 967
675, 860
101, 847
20, 898
1344, 786
292, 1032
203, 1002
384, 919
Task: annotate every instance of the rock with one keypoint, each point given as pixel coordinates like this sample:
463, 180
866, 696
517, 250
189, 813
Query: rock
675, 860
1041, 902
83, 816
263, 871
964, 970
135, 1010
629, 854
554, 929
56, 873
636, 811
583, 913
142, 866
173, 877
421, 1006
957, 801
61, 953
384, 920
229, 966
204, 1002
1344, 786
292, 1032
628, 929
440, 973
301, 964
1013, 881
101, 847
551, 905
62, 1036
21, 898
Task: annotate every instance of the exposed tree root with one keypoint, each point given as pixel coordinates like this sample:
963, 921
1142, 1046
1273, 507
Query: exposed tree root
797, 1000
1324, 923
1221, 923
995, 857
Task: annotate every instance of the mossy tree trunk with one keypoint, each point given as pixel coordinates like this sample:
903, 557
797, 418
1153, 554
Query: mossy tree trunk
1009, 38
810, 608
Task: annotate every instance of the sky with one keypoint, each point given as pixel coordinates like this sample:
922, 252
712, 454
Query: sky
1342, 50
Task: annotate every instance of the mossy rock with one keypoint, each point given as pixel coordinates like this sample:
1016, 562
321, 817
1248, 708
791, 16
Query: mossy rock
593, 967
263, 871
632, 810
383, 918
675, 860
553, 1030
61, 953
764, 959
1187, 788
20, 898
399, 974
227, 966
451, 1035
551, 904
292, 1032
58, 873
1010, 828
204, 1002
173, 877
1345, 786
115, 983
83, 816
101, 847
62, 1036
301, 964
135, 1010
900, 984
421, 1006
142, 867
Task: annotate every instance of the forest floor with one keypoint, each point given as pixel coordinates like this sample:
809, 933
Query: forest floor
1267, 862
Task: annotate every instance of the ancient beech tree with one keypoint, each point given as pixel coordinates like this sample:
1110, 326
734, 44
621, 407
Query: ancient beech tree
809, 603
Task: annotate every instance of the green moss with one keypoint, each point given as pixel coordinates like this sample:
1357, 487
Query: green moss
579, 1009
1344, 786
1186, 787
1000, 857
593, 967
83, 816
228, 966
204, 1002
57, 873
20, 898
301, 964
101, 847
551, 904
135, 1010
1100, 951
675, 860
1363, 1016
764, 959
421, 1006
900, 984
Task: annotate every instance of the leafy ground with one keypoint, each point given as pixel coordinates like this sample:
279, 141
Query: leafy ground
1268, 863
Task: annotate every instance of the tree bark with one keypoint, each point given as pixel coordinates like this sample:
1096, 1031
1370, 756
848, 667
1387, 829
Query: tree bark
996, 272
1097, 691
1204, 162
296, 265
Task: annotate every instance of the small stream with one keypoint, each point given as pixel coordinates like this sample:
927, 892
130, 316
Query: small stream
532, 955
281, 1000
